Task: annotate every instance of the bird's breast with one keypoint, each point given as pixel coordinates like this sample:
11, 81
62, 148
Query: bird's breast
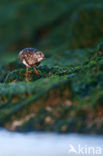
25, 63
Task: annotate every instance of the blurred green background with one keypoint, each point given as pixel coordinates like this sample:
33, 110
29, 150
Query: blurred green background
68, 96
49, 23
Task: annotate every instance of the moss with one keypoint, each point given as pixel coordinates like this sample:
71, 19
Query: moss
67, 96
61, 99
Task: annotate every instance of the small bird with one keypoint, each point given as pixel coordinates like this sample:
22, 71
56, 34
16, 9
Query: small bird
31, 57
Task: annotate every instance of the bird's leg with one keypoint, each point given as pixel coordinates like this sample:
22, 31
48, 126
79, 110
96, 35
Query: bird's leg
27, 71
35, 71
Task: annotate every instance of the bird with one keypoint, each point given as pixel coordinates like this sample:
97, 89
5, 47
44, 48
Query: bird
31, 57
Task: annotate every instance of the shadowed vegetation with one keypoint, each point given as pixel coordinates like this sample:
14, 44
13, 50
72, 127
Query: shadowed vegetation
68, 94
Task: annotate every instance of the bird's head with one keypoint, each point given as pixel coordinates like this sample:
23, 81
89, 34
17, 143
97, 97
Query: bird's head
40, 56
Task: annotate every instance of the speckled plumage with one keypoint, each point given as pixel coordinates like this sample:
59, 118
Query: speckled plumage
31, 57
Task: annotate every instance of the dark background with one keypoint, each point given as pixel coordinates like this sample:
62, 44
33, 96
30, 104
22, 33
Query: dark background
48, 24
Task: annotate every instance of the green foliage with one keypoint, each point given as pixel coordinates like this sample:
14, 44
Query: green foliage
67, 96
61, 99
